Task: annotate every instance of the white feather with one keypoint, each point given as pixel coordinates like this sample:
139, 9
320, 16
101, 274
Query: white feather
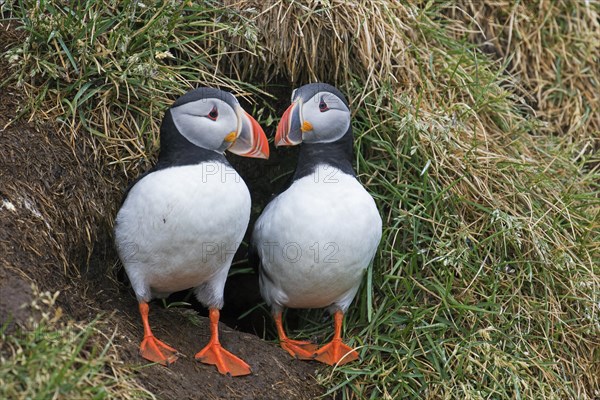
315, 241
180, 227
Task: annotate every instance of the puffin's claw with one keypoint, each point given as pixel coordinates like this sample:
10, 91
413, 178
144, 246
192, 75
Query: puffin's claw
335, 352
299, 349
226, 363
214, 354
156, 351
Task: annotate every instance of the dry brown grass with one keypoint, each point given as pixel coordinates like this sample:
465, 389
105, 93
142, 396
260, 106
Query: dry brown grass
552, 49
334, 41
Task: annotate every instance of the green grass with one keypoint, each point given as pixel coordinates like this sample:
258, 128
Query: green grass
112, 68
487, 285
487, 282
58, 359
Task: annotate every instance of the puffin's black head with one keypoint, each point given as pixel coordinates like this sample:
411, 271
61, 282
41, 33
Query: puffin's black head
212, 119
319, 114
319, 117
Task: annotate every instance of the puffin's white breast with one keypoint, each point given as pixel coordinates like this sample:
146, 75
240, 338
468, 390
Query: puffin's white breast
316, 239
180, 226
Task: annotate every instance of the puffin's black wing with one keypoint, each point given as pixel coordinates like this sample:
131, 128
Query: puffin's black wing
132, 184
253, 257
255, 262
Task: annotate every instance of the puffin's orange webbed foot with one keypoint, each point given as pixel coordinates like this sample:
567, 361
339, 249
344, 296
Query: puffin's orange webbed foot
214, 354
151, 348
227, 363
335, 352
299, 349
154, 350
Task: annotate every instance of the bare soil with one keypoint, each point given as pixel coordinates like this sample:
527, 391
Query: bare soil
57, 201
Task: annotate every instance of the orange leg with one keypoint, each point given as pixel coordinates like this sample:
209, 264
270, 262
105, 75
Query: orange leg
336, 352
214, 354
151, 348
296, 348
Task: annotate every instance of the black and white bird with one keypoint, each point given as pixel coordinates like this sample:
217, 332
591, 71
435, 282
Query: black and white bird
315, 240
181, 223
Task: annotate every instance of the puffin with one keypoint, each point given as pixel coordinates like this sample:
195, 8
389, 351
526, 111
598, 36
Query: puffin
181, 223
314, 241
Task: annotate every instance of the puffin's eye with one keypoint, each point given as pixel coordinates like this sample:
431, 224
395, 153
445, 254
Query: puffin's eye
213, 114
323, 106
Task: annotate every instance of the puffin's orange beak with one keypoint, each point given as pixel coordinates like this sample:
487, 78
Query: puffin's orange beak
289, 130
252, 141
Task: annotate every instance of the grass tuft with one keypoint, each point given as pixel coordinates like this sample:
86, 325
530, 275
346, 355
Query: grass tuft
112, 68
54, 358
552, 49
